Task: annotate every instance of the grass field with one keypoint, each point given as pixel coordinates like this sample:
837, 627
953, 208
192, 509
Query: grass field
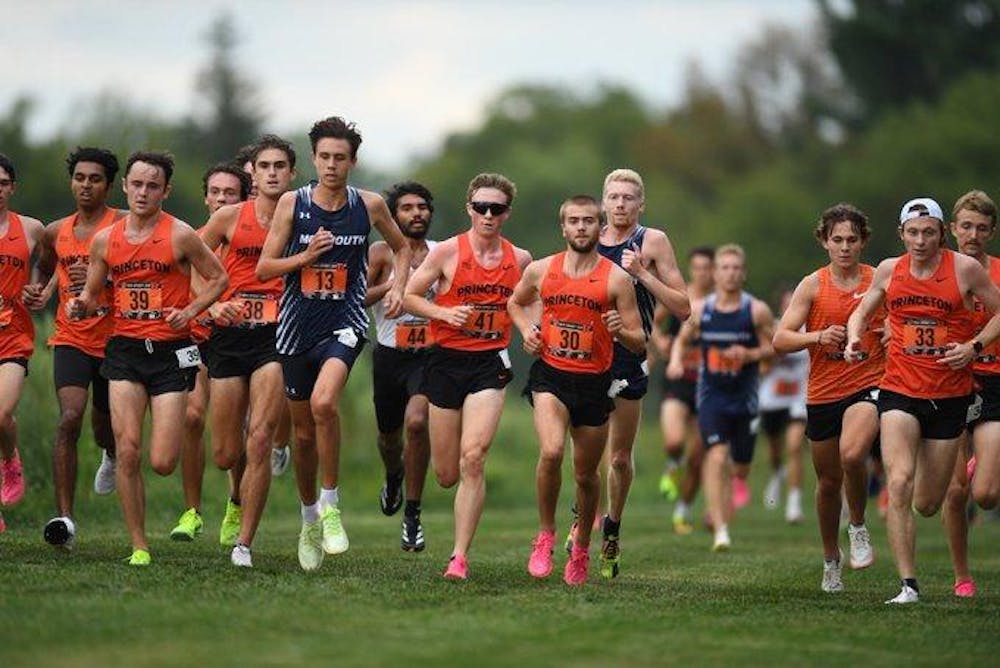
675, 602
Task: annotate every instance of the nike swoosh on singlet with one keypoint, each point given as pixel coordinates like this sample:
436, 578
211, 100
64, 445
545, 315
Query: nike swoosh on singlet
859, 295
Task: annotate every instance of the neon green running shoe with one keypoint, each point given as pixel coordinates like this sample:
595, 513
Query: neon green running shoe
669, 484
334, 536
609, 557
188, 526
311, 545
139, 558
230, 529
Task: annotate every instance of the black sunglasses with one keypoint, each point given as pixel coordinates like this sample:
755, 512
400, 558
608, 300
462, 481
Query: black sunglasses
496, 208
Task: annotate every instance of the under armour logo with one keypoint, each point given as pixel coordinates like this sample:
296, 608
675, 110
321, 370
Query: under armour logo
304, 215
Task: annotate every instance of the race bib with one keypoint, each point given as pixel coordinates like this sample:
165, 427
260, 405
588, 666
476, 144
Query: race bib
324, 281
139, 301
715, 362
413, 335
487, 321
786, 388
570, 340
257, 310
188, 357
924, 336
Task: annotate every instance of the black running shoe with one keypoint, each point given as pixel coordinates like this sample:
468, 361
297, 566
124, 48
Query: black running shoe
390, 499
413, 534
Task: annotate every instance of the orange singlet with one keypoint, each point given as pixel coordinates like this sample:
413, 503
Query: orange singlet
17, 332
988, 361
830, 377
260, 298
487, 290
925, 315
89, 334
146, 282
574, 338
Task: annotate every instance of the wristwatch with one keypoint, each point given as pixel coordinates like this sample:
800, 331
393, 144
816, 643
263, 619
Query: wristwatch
977, 346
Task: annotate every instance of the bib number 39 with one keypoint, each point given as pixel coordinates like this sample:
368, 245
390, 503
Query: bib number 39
188, 357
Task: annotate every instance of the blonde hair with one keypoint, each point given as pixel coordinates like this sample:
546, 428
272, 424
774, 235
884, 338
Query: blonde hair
979, 202
626, 176
731, 249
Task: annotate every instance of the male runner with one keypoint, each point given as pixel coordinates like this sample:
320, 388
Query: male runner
925, 391
647, 255
222, 184
398, 366
150, 360
78, 346
18, 237
587, 302
319, 241
841, 401
243, 366
678, 412
735, 330
466, 372
973, 225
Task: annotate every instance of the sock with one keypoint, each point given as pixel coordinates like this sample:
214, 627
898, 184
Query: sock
673, 461
329, 497
795, 496
412, 508
310, 513
681, 510
611, 528
912, 584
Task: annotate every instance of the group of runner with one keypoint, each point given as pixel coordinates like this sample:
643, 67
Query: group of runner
271, 294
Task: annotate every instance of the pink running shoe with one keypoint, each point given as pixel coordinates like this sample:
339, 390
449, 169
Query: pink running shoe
458, 568
12, 489
540, 561
576, 570
965, 588
970, 468
741, 493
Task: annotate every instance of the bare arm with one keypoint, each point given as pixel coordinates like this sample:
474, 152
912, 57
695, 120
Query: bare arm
189, 246
979, 285
519, 306
661, 339
428, 273
788, 338
37, 292
874, 297
685, 337
387, 227
763, 320
272, 262
379, 260
623, 321
97, 275
665, 283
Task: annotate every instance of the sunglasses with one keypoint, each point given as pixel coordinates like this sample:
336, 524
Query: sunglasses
496, 208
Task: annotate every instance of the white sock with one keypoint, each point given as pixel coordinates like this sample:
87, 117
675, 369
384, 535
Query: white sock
795, 497
329, 497
310, 513
681, 510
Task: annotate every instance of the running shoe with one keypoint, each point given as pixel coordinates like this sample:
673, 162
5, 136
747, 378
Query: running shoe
741, 492
772, 493
390, 499
458, 568
139, 558
610, 555
60, 532
12, 474
188, 526
311, 545
229, 530
832, 582
577, 567
279, 460
681, 526
334, 536
965, 588
540, 561
793, 509
670, 482
721, 542
104, 479
862, 552
413, 534
240, 556
906, 595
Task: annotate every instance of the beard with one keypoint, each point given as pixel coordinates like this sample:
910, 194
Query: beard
411, 233
582, 247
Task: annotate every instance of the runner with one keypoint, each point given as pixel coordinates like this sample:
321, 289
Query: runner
587, 303
319, 241
734, 329
465, 374
925, 391
841, 411
78, 346
243, 367
398, 366
18, 237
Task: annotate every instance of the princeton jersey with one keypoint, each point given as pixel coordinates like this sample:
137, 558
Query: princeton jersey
574, 337
830, 377
988, 361
407, 331
925, 315
487, 291
259, 298
644, 300
146, 281
17, 332
729, 386
329, 295
89, 334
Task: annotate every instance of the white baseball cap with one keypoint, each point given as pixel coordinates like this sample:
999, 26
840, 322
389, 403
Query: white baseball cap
920, 207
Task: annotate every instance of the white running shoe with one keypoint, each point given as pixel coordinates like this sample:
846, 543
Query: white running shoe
793, 509
311, 545
60, 532
334, 536
906, 595
279, 460
722, 542
832, 583
104, 479
862, 552
772, 493
240, 556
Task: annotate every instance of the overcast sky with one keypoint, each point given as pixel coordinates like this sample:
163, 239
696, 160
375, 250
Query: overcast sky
406, 72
